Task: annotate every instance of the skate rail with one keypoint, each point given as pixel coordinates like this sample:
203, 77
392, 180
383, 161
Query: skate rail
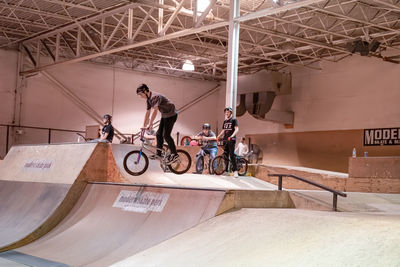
333, 191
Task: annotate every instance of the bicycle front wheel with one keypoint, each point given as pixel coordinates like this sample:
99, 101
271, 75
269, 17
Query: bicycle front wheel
218, 165
183, 164
241, 165
136, 162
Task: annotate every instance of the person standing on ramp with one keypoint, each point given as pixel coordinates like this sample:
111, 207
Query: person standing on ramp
229, 129
158, 102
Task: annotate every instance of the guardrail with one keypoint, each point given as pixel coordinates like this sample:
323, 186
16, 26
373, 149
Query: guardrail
333, 191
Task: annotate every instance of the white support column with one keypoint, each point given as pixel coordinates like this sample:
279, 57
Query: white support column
233, 54
160, 16
57, 46
78, 43
130, 24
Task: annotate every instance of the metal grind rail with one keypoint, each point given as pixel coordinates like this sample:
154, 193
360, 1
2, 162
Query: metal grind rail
333, 191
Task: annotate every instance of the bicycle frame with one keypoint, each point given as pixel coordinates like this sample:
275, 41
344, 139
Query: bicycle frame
147, 148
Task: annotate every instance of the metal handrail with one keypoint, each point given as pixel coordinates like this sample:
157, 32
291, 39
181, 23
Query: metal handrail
333, 191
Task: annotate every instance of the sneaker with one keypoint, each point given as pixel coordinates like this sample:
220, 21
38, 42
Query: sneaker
153, 157
196, 172
235, 174
226, 173
172, 158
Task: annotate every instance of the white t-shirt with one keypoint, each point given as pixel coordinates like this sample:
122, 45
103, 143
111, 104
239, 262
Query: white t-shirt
241, 149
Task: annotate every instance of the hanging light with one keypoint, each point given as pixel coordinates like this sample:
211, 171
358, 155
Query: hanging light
188, 65
202, 5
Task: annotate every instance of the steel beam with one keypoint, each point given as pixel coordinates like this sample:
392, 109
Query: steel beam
233, 54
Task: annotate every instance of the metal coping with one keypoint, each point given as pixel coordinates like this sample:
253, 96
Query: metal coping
29, 260
161, 186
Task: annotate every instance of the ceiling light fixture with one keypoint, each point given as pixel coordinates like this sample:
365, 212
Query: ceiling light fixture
188, 65
202, 5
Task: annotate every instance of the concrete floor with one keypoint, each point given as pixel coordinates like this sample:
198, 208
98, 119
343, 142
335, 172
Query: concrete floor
281, 237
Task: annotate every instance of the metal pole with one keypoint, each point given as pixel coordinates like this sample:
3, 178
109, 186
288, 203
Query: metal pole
49, 140
233, 54
280, 182
334, 202
8, 135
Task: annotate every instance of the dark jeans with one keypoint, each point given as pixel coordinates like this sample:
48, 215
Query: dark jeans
164, 132
200, 157
229, 152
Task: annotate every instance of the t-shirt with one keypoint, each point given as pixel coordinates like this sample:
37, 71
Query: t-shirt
229, 127
164, 105
110, 130
208, 143
241, 149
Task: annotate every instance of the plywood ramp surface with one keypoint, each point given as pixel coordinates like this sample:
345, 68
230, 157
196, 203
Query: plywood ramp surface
99, 232
280, 237
39, 185
46, 163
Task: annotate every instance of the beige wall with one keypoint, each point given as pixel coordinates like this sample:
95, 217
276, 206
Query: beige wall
355, 93
44, 105
327, 150
333, 103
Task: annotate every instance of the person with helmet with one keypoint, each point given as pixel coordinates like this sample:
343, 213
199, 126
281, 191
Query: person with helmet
158, 102
209, 146
106, 133
230, 128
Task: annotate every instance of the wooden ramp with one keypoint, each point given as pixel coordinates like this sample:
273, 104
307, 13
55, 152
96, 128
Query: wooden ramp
39, 184
111, 222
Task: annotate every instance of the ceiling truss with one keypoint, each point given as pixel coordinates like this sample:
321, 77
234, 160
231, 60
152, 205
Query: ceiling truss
159, 35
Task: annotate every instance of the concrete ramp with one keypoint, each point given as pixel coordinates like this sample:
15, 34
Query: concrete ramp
39, 184
111, 222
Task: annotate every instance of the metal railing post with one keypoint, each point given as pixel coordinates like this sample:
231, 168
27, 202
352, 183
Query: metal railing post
334, 202
49, 139
7, 138
280, 182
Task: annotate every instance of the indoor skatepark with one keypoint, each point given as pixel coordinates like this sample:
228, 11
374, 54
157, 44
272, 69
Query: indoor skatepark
313, 84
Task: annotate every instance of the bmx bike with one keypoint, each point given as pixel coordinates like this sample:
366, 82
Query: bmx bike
136, 162
219, 165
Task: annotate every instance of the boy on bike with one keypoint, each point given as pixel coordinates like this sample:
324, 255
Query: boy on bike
209, 146
158, 102
230, 128
107, 132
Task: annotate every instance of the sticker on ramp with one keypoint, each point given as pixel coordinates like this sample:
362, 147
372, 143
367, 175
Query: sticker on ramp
139, 201
38, 164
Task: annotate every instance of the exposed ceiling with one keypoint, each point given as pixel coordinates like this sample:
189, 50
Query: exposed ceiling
158, 36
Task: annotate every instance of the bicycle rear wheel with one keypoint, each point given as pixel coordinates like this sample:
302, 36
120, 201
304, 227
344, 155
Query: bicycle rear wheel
183, 164
241, 165
218, 165
134, 165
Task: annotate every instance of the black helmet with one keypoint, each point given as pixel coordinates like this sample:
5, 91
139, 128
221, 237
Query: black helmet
142, 88
228, 108
206, 126
107, 117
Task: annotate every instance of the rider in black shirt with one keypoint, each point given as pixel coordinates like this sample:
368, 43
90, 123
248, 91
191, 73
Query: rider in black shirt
229, 129
107, 132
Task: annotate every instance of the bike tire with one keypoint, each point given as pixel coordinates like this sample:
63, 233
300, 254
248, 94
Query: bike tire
183, 164
134, 168
218, 165
242, 166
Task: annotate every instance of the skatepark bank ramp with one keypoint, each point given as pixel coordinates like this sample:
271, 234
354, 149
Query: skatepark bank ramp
111, 222
39, 184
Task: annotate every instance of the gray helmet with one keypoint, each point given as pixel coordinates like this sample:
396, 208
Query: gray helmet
228, 108
206, 126
142, 88
107, 117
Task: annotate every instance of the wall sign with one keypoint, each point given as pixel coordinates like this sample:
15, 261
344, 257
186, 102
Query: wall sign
139, 201
38, 164
382, 137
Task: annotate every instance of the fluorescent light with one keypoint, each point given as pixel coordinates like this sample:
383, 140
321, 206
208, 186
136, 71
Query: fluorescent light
202, 5
188, 65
